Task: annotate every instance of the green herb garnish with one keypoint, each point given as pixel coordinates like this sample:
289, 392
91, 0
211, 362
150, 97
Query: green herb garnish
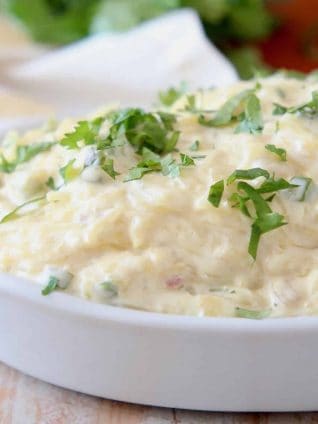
107, 165
247, 196
69, 172
85, 131
51, 286
152, 162
23, 154
251, 314
309, 108
50, 183
14, 214
216, 193
302, 185
271, 185
143, 129
195, 146
247, 174
109, 288
228, 113
186, 160
251, 119
170, 96
279, 151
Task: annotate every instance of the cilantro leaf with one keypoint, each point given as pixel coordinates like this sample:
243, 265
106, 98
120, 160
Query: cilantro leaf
251, 119
107, 165
279, 151
14, 214
136, 173
279, 109
186, 160
144, 129
265, 220
216, 193
69, 172
252, 314
110, 289
260, 204
51, 286
247, 174
50, 183
85, 131
191, 104
309, 108
170, 96
263, 224
228, 112
271, 185
302, 185
23, 154
195, 146
170, 167
240, 203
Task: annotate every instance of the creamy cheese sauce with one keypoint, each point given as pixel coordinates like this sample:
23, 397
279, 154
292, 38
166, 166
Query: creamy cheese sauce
158, 240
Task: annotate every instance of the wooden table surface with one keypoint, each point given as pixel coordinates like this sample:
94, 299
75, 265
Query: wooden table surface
25, 400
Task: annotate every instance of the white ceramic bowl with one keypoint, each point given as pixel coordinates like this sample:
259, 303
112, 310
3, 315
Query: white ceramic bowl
227, 364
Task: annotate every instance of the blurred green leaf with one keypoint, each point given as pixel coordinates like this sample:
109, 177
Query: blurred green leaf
211, 11
53, 21
248, 62
121, 15
249, 19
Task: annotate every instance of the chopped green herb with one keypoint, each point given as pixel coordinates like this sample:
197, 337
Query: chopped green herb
152, 162
263, 224
279, 109
107, 165
246, 196
302, 185
216, 193
136, 173
110, 289
170, 167
240, 203
309, 108
260, 204
271, 185
247, 174
23, 154
169, 97
191, 104
143, 129
195, 146
279, 151
186, 160
14, 214
251, 314
51, 286
50, 183
85, 131
69, 172
228, 112
251, 118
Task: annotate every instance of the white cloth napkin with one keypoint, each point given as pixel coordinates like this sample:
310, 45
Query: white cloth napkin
128, 67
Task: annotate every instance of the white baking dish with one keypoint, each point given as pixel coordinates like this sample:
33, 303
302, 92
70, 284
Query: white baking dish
165, 360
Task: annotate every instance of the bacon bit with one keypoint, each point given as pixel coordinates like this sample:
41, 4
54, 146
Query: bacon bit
174, 282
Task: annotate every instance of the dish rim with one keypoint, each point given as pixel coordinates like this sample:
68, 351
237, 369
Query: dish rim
71, 305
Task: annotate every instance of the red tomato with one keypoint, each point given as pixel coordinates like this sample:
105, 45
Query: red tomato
294, 45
